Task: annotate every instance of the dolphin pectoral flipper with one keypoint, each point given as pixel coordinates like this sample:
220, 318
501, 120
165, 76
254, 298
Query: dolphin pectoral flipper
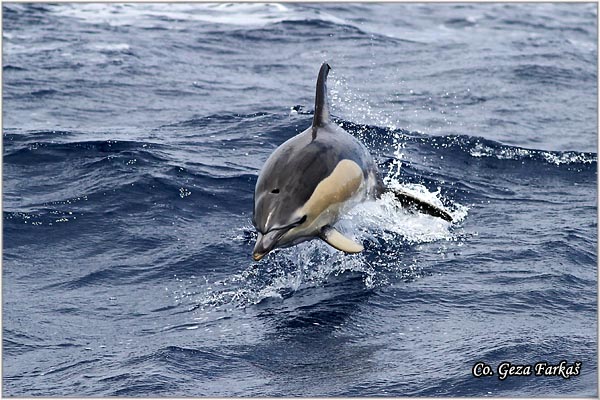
409, 201
338, 241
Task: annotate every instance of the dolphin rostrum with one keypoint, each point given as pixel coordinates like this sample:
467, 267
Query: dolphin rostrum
312, 179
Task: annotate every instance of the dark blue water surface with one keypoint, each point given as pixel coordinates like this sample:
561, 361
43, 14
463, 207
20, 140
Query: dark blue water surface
133, 136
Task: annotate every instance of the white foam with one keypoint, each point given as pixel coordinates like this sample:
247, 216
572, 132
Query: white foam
151, 14
515, 153
111, 46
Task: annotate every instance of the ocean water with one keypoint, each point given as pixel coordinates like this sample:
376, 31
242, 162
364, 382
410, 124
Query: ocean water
132, 140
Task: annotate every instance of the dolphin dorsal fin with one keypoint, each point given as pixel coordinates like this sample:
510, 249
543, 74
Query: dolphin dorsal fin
321, 107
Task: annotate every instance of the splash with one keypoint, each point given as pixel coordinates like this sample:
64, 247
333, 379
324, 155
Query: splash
355, 106
392, 235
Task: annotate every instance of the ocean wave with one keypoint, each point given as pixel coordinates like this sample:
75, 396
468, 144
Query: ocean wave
160, 15
381, 139
218, 119
8, 67
478, 147
553, 75
36, 151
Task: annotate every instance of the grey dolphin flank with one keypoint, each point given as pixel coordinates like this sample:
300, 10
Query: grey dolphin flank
312, 179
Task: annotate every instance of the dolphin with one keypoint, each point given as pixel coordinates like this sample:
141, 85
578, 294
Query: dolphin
312, 179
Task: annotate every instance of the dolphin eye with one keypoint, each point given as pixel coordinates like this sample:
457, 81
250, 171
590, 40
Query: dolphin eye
302, 220
275, 191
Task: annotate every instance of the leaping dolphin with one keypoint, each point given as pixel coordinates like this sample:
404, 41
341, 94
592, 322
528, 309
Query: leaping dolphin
312, 179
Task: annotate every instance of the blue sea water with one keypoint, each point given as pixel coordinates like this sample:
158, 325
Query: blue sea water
132, 140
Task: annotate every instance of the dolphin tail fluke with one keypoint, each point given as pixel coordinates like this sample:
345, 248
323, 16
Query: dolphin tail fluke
338, 241
409, 201
321, 105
